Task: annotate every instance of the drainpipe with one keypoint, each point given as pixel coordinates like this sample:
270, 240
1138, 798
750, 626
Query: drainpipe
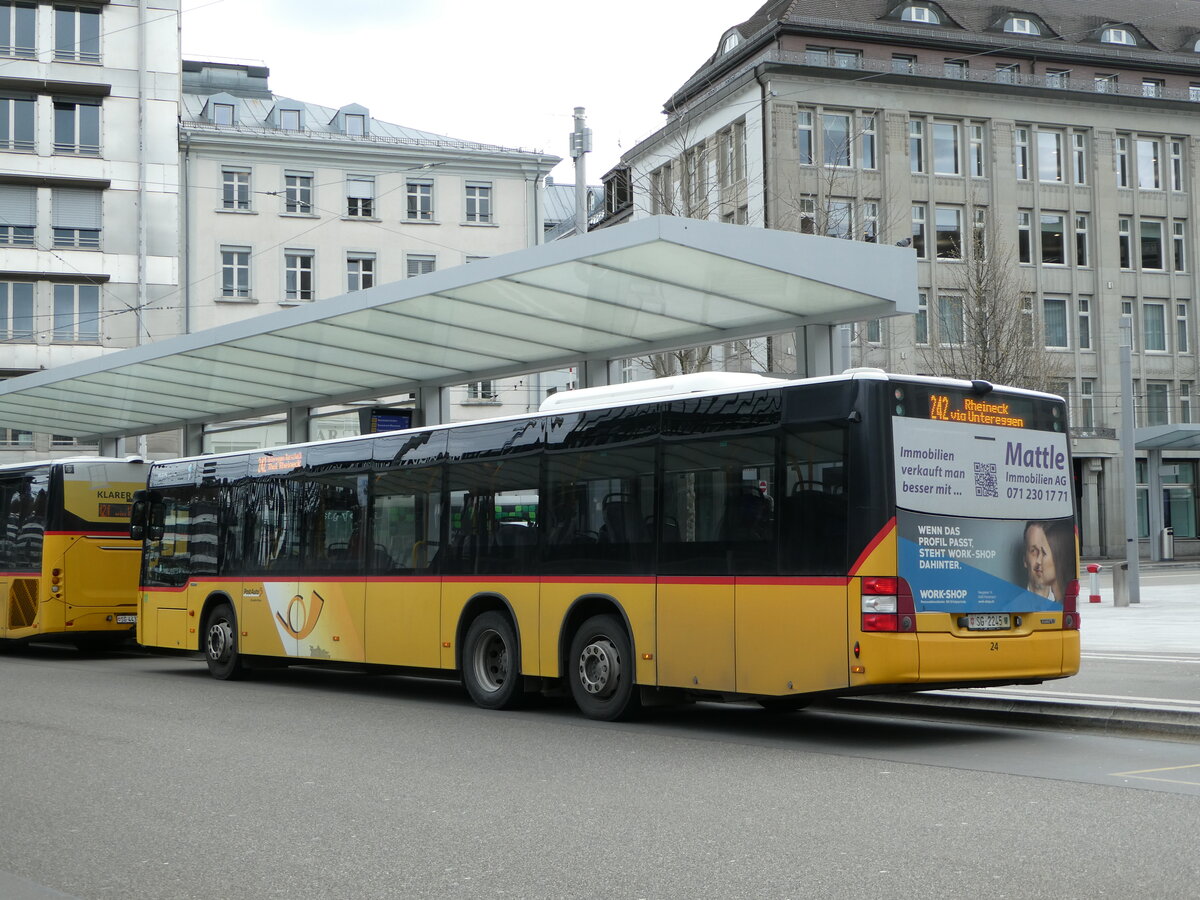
185, 243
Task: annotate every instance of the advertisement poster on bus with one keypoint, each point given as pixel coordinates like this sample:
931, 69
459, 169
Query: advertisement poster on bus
985, 516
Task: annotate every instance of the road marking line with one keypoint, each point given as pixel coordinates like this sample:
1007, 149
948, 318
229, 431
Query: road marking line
1195, 660
1144, 774
1080, 696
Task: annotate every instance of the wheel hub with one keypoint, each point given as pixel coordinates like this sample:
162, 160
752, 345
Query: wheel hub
491, 661
220, 640
599, 667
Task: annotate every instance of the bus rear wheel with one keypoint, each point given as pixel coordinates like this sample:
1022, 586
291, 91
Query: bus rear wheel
600, 670
491, 671
221, 645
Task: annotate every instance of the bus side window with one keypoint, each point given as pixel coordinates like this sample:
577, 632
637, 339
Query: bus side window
405, 521
815, 508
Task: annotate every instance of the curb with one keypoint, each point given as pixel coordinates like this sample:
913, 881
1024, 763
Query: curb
1135, 719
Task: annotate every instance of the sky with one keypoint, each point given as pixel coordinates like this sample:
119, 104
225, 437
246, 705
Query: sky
508, 72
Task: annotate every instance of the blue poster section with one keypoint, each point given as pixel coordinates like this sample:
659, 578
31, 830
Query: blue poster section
961, 565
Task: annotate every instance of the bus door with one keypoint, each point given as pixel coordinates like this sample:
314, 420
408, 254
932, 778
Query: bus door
22, 529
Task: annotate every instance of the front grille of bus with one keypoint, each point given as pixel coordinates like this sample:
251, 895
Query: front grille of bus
22, 602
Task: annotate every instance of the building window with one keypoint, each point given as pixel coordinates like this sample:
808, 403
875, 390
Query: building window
360, 271
977, 154
76, 128
223, 113
76, 218
1006, 73
16, 125
916, 146
1124, 243
235, 271
1024, 238
16, 311
1178, 245
479, 202
870, 223
1054, 320
921, 14
804, 131
955, 68
1194, 92
355, 124
1018, 25
1085, 323
1105, 84
945, 148
1081, 241
1158, 403
418, 264
1177, 165
921, 324
298, 275
1149, 171
1087, 403
1079, 157
235, 189
482, 391
839, 219
816, 56
904, 63
1117, 36
835, 139
1154, 327
1057, 78
1021, 153
1050, 161
867, 141
420, 200
808, 215
1054, 245
1185, 402
15, 437
18, 30
662, 186
76, 34
360, 196
1122, 161
951, 321
874, 331
918, 231
1027, 321
1152, 245
948, 220
289, 119
1153, 87
979, 234
77, 313
18, 215
847, 59
1182, 342
298, 192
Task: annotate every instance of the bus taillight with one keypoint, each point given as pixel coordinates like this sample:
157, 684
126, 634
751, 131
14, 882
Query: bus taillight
887, 605
1071, 606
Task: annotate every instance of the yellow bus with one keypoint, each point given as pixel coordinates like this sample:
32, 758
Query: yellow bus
713, 536
68, 567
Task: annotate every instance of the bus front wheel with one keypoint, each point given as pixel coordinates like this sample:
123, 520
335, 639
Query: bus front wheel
491, 671
600, 669
221, 645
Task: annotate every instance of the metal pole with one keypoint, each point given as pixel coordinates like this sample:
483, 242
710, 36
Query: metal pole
581, 143
1128, 464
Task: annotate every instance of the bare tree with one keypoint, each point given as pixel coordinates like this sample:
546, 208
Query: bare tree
984, 325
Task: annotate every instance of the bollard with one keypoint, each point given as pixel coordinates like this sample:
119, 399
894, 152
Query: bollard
1121, 584
1093, 582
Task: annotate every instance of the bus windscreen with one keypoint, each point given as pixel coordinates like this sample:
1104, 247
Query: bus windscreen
984, 500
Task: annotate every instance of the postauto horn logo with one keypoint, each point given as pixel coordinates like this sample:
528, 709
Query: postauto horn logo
302, 617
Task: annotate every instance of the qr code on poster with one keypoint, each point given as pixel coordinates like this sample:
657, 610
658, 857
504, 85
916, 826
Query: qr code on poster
985, 480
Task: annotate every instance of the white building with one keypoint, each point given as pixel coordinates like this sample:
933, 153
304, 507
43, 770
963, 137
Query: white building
89, 214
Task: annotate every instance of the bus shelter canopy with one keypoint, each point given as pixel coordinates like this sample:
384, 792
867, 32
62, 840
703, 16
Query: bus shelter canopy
1167, 437
656, 284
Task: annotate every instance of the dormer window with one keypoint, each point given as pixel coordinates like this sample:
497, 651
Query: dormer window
289, 119
1018, 25
221, 109
923, 14
730, 41
223, 113
1118, 36
352, 120
356, 125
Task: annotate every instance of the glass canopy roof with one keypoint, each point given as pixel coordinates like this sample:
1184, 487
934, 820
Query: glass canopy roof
655, 284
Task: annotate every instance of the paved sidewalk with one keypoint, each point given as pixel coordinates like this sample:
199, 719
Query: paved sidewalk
1167, 620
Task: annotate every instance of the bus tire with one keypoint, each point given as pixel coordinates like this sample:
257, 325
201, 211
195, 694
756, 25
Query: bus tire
600, 670
491, 662
221, 653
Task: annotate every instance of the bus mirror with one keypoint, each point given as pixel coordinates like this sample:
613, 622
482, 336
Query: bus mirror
137, 532
155, 519
137, 515
155, 532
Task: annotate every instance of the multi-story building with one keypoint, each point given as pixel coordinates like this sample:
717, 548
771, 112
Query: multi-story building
1062, 136
286, 202
89, 217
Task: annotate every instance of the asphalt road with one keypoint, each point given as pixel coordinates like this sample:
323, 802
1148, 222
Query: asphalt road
140, 777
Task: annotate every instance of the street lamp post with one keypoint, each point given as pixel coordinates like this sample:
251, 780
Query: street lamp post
1129, 464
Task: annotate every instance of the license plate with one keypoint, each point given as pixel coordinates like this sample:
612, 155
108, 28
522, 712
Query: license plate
987, 621
127, 619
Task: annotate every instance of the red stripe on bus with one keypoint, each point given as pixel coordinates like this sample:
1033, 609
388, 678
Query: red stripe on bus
116, 532
875, 542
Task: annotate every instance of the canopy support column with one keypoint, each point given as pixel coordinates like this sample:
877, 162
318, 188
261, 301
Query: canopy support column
1154, 502
433, 405
298, 418
594, 373
193, 440
109, 446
